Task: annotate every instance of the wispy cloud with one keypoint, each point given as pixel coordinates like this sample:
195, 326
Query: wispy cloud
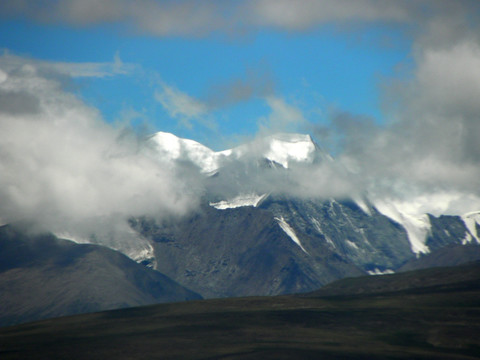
182, 106
194, 18
10, 62
179, 104
283, 117
254, 84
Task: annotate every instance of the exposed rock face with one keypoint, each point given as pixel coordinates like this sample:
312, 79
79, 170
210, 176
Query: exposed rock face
238, 252
286, 245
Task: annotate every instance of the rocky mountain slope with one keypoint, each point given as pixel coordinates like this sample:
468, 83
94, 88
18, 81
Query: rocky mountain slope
259, 231
284, 246
42, 276
238, 252
253, 237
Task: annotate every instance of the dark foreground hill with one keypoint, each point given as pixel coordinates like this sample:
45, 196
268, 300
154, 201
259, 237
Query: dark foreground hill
437, 316
42, 276
450, 255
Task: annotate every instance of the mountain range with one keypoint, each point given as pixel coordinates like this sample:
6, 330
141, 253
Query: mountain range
257, 230
254, 236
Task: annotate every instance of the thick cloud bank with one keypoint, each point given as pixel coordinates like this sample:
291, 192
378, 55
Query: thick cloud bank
430, 145
63, 166
194, 18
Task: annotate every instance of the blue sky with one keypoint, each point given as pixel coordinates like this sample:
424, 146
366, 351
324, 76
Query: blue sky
318, 71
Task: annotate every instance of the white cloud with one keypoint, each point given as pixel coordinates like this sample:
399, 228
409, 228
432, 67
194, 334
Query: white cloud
181, 106
450, 77
431, 150
194, 18
301, 14
284, 117
10, 62
62, 166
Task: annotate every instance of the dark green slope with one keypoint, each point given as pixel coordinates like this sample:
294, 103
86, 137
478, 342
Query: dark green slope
450, 255
42, 276
466, 276
432, 319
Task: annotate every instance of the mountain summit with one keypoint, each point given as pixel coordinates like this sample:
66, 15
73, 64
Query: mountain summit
282, 148
257, 231
254, 236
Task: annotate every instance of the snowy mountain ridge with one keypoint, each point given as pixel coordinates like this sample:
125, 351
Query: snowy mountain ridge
250, 216
170, 147
280, 148
284, 149
369, 234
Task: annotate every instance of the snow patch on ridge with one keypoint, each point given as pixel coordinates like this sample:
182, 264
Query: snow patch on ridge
316, 225
146, 254
362, 204
69, 236
239, 201
281, 148
417, 226
471, 220
289, 231
380, 272
351, 244
132, 245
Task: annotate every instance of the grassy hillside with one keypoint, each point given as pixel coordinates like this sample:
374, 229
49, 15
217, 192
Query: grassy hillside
431, 320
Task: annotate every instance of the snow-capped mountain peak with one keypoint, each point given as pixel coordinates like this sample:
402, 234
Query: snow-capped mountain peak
282, 148
171, 147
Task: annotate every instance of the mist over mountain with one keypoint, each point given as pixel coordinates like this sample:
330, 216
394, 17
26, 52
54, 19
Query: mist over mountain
389, 194
161, 151
264, 227
274, 215
90, 177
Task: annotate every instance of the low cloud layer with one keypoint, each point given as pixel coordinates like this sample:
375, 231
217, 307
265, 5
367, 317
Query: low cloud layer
63, 166
193, 18
430, 144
